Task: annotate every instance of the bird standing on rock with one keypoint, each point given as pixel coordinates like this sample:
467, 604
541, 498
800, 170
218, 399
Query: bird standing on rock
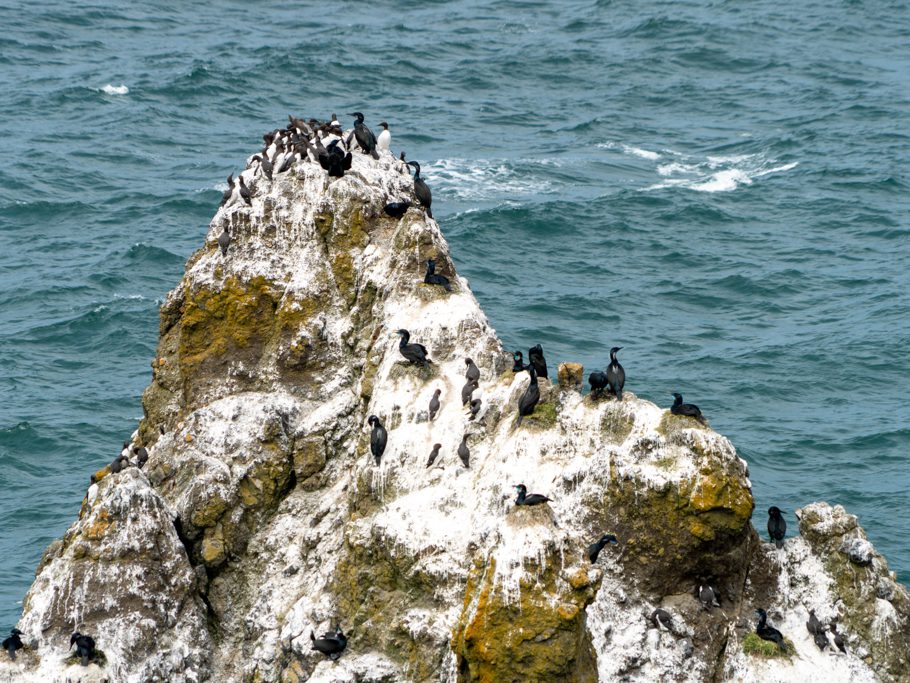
364, 136
529, 398
229, 192
396, 209
433, 454
416, 354
433, 278
224, 241
525, 498
616, 376
244, 191
708, 597
838, 638
434, 404
378, 438
467, 390
85, 647
13, 643
595, 548
464, 452
777, 526
422, 190
471, 370
518, 362
536, 359
142, 456
475, 408
384, 141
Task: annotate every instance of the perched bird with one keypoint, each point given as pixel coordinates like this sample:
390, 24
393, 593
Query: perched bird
330, 645
397, 209
598, 382
814, 625
228, 193
85, 647
616, 376
13, 643
413, 353
595, 548
401, 156
333, 159
777, 526
120, 462
245, 193
471, 370
768, 633
433, 278
434, 404
688, 409
421, 189
475, 408
464, 452
125, 451
378, 438
434, 454
838, 638
224, 241
708, 597
142, 456
384, 141
529, 398
518, 361
525, 498
265, 164
661, 619
364, 136
536, 359
467, 390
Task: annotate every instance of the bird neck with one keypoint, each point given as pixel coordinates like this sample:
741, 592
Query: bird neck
404, 339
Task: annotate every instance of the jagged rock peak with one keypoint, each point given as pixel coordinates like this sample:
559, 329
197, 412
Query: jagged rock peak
262, 517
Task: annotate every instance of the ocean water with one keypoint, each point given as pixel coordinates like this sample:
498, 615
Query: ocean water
721, 188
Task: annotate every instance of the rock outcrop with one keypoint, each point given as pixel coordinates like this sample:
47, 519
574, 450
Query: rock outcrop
261, 515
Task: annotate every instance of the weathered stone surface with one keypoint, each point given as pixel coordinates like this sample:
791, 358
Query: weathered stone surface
571, 375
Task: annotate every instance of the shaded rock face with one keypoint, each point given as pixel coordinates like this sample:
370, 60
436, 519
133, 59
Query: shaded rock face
261, 516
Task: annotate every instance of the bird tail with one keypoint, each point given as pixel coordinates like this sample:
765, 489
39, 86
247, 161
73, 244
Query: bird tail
619, 394
779, 543
84, 660
374, 154
520, 418
429, 213
312, 637
378, 460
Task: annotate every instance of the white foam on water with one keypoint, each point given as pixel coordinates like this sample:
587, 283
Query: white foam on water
481, 179
115, 89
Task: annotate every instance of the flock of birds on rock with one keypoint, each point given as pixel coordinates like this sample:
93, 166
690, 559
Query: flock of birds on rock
322, 143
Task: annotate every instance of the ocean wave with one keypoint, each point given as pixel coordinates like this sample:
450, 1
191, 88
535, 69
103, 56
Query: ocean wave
115, 89
631, 150
718, 173
483, 179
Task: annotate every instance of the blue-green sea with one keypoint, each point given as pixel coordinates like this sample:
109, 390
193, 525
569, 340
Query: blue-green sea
719, 187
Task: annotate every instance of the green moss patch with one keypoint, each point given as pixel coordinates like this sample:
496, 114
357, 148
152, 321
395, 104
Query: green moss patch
670, 423
543, 417
757, 647
617, 425
404, 369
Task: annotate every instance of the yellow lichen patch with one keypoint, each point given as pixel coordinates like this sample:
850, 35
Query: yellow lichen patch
212, 549
543, 417
99, 526
716, 491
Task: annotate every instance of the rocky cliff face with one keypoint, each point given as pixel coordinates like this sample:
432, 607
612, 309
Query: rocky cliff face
261, 515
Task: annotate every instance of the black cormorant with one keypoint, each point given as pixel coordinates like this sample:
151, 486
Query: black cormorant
769, 633
529, 398
475, 408
120, 462
434, 454
378, 438
433, 278
467, 390
598, 382
85, 647
13, 643
777, 526
616, 376
518, 362
688, 409
434, 404
464, 452
471, 370
333, 160
413, 353
365, 138
224, 241
525, 498
421, 189
595, 548
536, 359
331, 645
396, 209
